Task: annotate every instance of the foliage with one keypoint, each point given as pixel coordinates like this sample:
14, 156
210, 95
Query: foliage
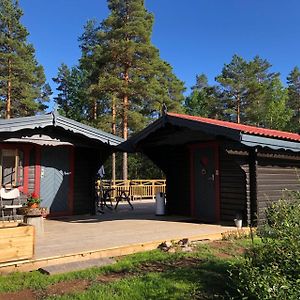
33, 198
140, 167
233, 81
293, 81
237, 234
121, 42
22, 79
203, 100
272, 269
247, 92
72, 93
120, 83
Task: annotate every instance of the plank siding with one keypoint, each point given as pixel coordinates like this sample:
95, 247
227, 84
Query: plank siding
275, 173
234, 186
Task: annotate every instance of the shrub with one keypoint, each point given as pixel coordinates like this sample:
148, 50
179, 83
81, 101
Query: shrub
271, 270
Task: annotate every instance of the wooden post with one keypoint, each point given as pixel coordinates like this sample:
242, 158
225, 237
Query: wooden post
153, 190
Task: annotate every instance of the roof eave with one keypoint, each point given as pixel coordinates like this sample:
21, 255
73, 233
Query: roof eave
87, 131
275, 144
54, 119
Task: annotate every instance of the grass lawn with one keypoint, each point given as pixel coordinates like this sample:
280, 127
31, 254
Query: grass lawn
201, 274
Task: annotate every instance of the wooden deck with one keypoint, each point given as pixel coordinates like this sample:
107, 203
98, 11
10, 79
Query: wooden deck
112, 234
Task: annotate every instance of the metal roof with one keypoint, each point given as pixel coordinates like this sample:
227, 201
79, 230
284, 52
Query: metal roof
243, 128
56, 120
248, 135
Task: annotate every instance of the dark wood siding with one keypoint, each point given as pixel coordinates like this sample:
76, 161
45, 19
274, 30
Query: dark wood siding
275, 173
234, 185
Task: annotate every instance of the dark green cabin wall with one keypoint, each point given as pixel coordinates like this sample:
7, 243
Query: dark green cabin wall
275, 173
234, 186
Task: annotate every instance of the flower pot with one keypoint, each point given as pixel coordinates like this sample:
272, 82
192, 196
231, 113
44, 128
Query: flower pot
238, 223
33, 205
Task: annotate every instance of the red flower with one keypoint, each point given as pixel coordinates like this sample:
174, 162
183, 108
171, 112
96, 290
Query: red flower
34, 195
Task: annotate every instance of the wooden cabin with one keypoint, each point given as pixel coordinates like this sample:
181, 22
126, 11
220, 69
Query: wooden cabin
54, 157
217, 170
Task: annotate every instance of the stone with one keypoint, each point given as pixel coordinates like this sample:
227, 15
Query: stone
76, 266
187, 249
184, 242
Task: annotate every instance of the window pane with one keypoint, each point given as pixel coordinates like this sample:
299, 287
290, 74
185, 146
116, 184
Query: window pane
12, 167
20, 169
8, 169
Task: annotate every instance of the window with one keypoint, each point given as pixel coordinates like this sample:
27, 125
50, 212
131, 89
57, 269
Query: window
11, 167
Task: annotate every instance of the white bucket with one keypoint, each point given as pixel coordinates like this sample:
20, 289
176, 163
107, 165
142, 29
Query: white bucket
160, 204
238, 223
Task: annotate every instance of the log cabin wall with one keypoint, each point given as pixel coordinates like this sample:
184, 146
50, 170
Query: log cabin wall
234, 185
276, 171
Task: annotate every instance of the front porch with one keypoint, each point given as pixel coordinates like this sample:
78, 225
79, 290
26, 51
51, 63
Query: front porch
112, 234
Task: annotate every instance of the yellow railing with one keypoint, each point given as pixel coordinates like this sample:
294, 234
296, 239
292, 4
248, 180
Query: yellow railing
143, 189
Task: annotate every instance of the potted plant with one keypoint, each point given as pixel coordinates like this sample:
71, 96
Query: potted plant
33, 200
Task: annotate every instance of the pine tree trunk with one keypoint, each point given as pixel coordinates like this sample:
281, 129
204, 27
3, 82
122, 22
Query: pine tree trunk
125, 124
125, 135
125, 106
238, 110
95, 107
113, 131
8, 96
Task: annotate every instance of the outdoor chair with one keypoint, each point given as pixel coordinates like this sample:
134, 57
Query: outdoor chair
103, 195
9, 201
124, 195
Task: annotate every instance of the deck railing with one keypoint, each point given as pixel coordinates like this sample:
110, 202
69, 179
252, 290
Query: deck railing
143, 189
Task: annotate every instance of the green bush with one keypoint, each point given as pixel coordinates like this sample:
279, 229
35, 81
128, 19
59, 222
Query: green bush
271, 270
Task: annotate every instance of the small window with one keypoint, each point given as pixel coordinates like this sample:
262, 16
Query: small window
11, 167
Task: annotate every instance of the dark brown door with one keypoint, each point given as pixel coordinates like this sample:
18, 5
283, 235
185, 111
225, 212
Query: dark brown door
205, 183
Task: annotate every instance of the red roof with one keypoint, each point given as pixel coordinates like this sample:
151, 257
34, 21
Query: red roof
271, 133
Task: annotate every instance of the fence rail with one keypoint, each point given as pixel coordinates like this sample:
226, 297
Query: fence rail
143, 189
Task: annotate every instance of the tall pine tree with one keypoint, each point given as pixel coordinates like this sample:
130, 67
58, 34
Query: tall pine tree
253, 94
204, 100
22, 80
128, 69
293, 81
232, 79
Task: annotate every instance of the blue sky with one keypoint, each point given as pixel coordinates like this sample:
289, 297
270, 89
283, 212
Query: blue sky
194, 36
